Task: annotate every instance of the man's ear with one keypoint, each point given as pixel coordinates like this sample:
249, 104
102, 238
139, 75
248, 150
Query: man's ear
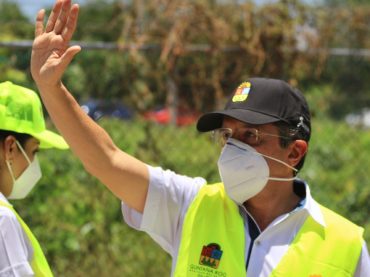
9, 146
297, 150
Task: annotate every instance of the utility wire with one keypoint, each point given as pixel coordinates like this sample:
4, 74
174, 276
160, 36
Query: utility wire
98, 45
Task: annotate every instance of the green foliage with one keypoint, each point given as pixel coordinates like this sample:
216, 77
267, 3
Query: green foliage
107, 21
337, 168
13, 23
350, 96
345, 2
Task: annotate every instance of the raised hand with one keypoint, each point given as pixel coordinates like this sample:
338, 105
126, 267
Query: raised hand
51, 53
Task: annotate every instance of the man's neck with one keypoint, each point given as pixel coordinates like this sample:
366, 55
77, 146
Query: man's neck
275, 199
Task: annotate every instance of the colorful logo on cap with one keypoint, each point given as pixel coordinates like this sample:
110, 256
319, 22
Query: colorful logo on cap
242, 92
211, 255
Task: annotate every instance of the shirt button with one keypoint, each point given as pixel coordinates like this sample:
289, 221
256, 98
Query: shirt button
258, 242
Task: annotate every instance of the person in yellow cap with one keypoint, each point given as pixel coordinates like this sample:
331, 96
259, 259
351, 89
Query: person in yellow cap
22, 133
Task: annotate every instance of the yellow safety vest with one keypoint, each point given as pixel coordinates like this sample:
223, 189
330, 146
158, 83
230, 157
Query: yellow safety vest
212, 242
38, 263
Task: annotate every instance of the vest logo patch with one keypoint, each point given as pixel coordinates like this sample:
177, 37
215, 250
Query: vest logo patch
211, 255
242, 92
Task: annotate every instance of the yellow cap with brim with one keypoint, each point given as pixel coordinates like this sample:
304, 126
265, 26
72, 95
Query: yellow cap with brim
21, 112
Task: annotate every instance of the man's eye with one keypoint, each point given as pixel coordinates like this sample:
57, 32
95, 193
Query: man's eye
250, 137
249, 134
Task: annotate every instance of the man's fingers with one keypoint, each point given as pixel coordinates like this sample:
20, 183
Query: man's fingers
63, 17
39, 27
71, 23
54, 16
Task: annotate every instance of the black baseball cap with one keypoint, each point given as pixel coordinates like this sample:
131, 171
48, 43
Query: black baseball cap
261, 101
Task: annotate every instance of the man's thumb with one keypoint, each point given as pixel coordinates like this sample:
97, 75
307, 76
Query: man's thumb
69, 54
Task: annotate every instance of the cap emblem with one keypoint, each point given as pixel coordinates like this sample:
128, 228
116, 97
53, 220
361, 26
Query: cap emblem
242, 92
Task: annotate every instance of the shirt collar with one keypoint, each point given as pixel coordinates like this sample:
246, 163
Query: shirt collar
311, 206
3, 199
307, 204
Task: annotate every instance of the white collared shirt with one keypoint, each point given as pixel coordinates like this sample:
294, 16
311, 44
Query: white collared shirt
15, 248
169, 197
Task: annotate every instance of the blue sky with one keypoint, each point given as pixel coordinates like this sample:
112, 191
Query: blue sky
30, 8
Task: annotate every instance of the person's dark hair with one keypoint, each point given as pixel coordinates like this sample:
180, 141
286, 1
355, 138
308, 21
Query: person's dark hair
291, 133
22, 138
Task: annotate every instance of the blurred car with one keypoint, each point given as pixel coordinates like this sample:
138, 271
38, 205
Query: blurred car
361, 118
163, 116
97, 109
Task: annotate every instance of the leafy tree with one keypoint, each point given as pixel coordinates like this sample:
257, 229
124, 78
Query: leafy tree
13, 23
344, 2
13, 26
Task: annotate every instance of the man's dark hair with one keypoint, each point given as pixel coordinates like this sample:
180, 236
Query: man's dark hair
22, 138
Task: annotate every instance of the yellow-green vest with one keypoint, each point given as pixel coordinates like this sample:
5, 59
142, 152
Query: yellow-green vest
38, 263
212, 242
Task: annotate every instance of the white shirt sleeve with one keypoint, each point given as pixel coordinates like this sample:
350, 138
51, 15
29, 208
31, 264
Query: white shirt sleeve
363, 266
15, 250
169, 196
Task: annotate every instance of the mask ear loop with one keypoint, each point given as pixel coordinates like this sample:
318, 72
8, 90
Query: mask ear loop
8, 163
274, 159
263, 155
284, 163
10, 170
279, 161
23, 152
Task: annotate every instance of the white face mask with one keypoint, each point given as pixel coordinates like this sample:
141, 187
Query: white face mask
244, 171
27, 180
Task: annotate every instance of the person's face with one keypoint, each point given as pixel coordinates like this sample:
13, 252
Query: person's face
11, 152
268, 143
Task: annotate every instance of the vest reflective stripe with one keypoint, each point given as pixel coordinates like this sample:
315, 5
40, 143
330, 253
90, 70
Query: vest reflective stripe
38, 263
212, 219
316, 251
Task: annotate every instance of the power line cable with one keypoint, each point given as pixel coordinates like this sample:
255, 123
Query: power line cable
99, 45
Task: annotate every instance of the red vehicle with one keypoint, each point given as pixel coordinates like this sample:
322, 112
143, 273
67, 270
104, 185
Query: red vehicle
162, 116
